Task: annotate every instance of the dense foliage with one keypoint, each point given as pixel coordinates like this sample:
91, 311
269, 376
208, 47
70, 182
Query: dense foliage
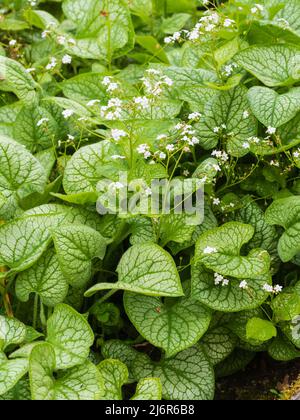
146, 304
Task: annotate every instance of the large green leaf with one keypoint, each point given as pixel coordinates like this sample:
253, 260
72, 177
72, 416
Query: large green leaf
12, 331
147, 269
87, 167
285, 212
31, 233
274, 65
20, 173
104, 28
187, 376
70, 335
82, 382
76, 247
272, 109
227, 109
29, 130
260, 329
11, 371
219, 249
14, 78
230, 298
114, 375
172, 326
218, 343
85, 87
44, 278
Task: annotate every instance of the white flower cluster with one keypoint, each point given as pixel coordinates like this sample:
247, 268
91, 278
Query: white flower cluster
229, 69
144, 149
117, 134
155, 81
221, 155
186, 134
112, 110
66, 59
110, 85
42, 121
272, 289
211, 21
296, 154
219, 279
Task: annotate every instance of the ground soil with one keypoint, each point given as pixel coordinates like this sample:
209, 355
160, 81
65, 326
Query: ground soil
263, 379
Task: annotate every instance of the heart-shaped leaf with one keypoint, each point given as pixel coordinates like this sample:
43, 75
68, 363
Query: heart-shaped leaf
148, 389
147, 269
230, 298
172, 326
83, 382
76, 247
218, 343
114, 375
70, 335
11, 371
44, 278
219, 249
274, 65
272, 109
12, 331
285, 212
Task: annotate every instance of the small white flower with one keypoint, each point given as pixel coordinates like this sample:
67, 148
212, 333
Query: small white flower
246, 145
93, 102
61, 40
70, 138
274, 163
277, 288
225, 282
194, 116
106, 81
228, 23
45, 33
142, 101
162, 155
112, 87
296, 154
210, 250
246, 114
51, 64
168, 81
170, 147
216, 129
186, 172
216, 167
118, 134
67, 59
42, 121
143, 148
243, 284
271, 130
67, 113
268, 288
168, 40
12, 43
216, 201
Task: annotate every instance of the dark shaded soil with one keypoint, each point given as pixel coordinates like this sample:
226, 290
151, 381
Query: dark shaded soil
263, 379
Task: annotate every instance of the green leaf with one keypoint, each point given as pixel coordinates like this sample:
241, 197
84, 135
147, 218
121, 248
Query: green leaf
114, 375
32, 233
46, 279
11, 372
20, 392
153, 47
176, 228
218, 343
142, 230
230, 298
237, 361
285, 212
14, 78
260, 329
148, 389
273, 109
20, 173
174, 23
147, 269
187, 376
227, 109
70, 335
219, 249
40, 19
282, 349
28, 131
87, 166
104, 29
12, 331
80, 383
172, 326
85, 87
286, 306
274, 65
76, 247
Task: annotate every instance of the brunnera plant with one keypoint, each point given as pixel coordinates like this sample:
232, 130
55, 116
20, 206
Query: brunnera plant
99, 289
